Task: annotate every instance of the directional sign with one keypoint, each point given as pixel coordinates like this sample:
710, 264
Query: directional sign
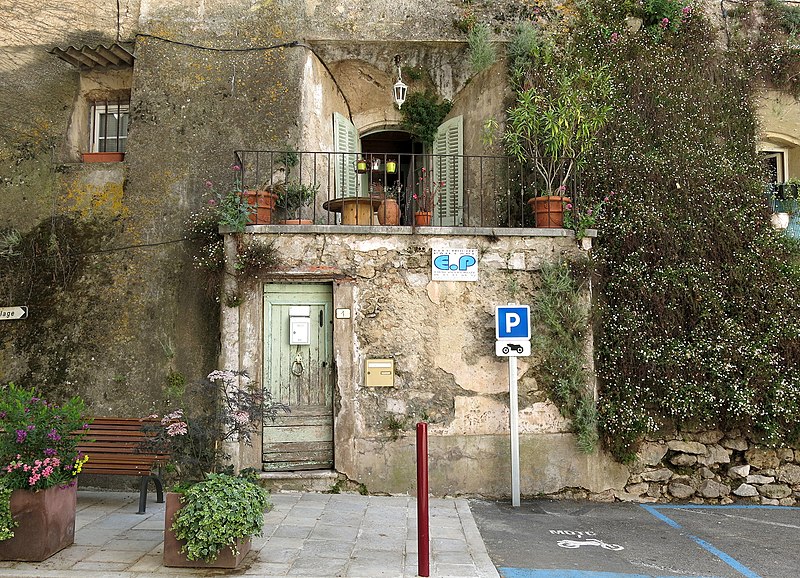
7, 313
513, 323
512, 348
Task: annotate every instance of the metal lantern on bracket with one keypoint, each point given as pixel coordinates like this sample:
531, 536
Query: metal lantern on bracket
400, 89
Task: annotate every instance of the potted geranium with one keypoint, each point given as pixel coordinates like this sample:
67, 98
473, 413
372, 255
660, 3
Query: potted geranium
212, 513
38, 464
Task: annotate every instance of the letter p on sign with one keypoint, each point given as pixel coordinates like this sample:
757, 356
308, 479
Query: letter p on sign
513, 322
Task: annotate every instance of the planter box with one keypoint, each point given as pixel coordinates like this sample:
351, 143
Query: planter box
173, 557
46, 523
103, 157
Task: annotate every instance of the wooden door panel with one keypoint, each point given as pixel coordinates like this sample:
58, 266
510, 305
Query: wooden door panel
300, 376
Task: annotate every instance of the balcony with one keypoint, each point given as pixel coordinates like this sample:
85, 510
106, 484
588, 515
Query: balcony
460, 191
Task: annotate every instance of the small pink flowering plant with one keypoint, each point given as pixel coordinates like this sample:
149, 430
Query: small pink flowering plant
227, 406
39, 439
427, 190
581, 219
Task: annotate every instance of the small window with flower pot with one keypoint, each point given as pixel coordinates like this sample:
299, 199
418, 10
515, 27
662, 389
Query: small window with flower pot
108, 125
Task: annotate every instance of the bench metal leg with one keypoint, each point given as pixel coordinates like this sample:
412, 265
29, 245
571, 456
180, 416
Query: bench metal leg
143, 491
143, 494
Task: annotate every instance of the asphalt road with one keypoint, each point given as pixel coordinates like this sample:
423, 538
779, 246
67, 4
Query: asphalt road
566, 539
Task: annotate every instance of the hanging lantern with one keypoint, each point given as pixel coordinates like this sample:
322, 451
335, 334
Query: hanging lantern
361, 166
391, 167
400, 89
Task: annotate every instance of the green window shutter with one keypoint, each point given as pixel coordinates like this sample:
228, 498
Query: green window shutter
448, 167
345, 140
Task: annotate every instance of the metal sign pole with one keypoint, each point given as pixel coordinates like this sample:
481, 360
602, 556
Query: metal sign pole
514, 425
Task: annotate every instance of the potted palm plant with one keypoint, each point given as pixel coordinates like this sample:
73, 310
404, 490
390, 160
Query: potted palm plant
560, 107
212, 513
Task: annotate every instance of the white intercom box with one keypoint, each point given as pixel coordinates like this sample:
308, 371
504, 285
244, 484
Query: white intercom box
300, 325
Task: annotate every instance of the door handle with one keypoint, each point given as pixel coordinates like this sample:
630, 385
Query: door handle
320, 318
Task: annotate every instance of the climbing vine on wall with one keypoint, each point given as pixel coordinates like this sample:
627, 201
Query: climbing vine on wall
700, 298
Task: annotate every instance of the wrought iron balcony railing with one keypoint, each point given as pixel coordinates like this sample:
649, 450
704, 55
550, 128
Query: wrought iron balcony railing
347, 188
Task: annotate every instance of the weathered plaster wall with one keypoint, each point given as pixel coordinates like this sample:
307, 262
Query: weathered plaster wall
441, 336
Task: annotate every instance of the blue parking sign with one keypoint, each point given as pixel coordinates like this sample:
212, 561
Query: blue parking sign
513, 322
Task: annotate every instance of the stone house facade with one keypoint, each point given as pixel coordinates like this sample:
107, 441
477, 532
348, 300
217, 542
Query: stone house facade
204, 85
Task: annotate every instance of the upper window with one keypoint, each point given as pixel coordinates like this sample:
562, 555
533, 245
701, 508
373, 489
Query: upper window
109, 126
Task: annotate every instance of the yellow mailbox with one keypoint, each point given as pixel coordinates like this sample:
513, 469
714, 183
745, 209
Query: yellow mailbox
379, 373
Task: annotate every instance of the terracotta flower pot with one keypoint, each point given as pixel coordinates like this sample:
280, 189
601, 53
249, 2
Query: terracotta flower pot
549, 211
264, 202
46, 523
422, 218
174, 558
389, 212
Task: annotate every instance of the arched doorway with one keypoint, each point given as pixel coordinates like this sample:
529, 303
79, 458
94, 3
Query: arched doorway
381, 148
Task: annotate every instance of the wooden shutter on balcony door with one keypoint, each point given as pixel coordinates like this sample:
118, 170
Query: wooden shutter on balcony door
345, 141
449, 168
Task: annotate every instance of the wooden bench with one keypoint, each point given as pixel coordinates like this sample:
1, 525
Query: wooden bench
117, 446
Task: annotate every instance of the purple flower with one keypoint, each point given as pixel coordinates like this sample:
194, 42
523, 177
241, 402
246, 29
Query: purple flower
2, 415
209, 184
614, 37
21, 435
664, 22
53, 435
687, 10
50, 452
569, 206
236, 168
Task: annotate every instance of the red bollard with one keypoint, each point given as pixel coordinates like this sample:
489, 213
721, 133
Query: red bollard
423, 527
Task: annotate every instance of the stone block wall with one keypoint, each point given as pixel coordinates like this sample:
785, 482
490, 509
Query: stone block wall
713, 467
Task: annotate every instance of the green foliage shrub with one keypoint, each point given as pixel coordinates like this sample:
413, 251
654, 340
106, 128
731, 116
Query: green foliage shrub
217, 512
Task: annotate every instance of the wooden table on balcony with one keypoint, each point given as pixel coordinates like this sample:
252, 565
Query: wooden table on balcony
355, 210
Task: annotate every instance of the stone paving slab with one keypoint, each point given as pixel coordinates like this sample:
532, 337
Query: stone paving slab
306, 534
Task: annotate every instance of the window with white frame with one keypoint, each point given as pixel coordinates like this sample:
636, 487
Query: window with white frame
775, 159
109, 126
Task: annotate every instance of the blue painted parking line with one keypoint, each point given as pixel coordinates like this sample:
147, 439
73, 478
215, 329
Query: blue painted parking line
524, 573
730, 561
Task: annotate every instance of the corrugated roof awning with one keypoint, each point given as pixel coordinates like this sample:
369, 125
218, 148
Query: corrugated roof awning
87, 58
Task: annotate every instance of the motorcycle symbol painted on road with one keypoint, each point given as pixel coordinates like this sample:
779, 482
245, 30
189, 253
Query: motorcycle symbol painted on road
590, 542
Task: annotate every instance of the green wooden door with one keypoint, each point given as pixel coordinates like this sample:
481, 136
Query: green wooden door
300, 376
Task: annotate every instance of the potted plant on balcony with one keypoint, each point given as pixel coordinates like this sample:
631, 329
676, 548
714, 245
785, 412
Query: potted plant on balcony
39, 459
561, 105
212, 513
425, 196
292, 197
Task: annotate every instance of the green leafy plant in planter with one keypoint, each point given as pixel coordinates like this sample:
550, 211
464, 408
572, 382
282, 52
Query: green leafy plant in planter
293, 196
217, 508
561, 106
218, 512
